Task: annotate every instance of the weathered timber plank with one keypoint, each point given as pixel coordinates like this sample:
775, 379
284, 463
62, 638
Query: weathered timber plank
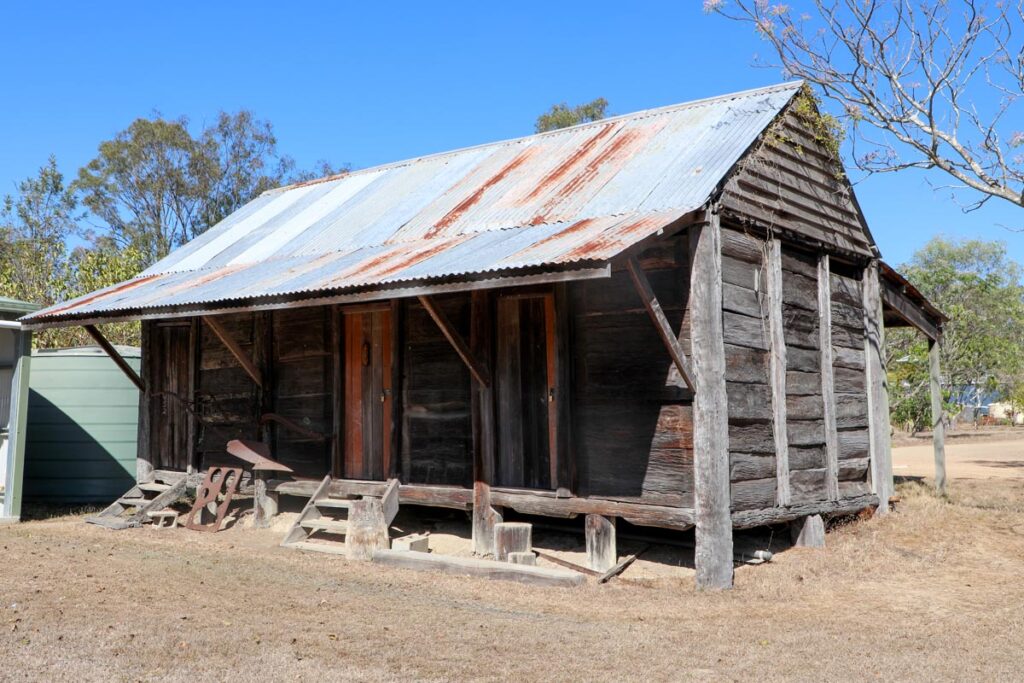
827, 380
600, 542
753, 494
743, 246
878, 396
743, 364
743, 330
747, 519
752, 438
487, 569
746, 466
714, 552
777, 365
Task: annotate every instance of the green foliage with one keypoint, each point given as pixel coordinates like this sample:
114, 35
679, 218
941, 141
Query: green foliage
981, 289
563, 116
151, 188
155, 186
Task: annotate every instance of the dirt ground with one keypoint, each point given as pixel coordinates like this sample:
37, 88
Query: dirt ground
932, 591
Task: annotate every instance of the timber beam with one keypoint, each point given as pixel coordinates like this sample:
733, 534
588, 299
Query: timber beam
478, 370
909, 312
118, 359
938, 423
654, 309
236, 350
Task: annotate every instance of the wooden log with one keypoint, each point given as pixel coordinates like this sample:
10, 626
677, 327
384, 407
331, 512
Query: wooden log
568, 565
808, 532
144, 469
600, 536
878, 393
512, 537
367, 530
661, 324
487, 569
938, 423
828, 387
484, 433
777, 362
713, 554
847, 504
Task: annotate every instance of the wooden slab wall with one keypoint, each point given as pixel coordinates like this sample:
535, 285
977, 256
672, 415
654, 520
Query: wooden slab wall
302, 370
228, 401
804, 405
633, 429
850, 383
437, 434
747, 357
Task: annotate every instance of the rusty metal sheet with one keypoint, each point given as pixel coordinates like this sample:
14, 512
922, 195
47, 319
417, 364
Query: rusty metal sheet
581, 194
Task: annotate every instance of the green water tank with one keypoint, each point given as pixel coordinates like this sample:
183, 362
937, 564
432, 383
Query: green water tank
83, 421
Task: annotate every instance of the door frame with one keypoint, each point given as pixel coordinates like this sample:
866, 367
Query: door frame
562, 471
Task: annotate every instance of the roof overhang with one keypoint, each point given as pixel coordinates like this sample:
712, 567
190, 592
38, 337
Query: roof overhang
905, 306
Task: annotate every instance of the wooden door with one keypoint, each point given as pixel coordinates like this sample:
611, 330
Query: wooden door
368, 396
170, 383
527, 392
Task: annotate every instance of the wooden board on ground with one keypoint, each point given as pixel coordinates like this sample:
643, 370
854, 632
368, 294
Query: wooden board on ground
487, 569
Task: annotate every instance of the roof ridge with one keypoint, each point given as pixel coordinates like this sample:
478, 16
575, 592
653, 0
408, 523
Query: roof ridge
643, 113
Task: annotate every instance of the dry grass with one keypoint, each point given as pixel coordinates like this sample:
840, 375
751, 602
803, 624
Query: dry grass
933, 591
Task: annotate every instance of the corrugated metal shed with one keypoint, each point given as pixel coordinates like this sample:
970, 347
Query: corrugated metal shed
574, 196
83, 423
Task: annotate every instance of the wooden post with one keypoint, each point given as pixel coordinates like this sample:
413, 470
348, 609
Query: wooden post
938, 423
713, 555
601, 551
143, 457
828, 388
485, 517
512, 537
808, 532
367, 529
878, 390
778, 363
264, 502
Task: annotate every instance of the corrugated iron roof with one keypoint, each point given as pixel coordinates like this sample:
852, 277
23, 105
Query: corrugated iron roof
581, 194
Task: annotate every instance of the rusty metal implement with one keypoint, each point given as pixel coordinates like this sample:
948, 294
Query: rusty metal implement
218, 480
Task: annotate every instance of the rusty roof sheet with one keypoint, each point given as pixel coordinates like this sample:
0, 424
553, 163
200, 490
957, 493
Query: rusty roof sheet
581, 194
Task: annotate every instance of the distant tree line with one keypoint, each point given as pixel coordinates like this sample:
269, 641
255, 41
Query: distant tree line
981, 289
152, 187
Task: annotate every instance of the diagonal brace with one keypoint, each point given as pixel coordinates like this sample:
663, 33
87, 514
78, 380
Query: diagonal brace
478, 370
109, 349
675, 349
236, 350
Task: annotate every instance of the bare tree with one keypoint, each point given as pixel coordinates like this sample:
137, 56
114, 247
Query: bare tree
930, 84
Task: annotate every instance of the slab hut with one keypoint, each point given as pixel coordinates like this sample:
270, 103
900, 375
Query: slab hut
672, 317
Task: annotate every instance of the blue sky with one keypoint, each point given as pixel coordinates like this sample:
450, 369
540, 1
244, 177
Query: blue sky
366, 83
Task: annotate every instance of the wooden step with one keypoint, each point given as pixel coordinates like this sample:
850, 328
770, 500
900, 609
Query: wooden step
334, 526
154, 486
332, 548
333, 503
134, 502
